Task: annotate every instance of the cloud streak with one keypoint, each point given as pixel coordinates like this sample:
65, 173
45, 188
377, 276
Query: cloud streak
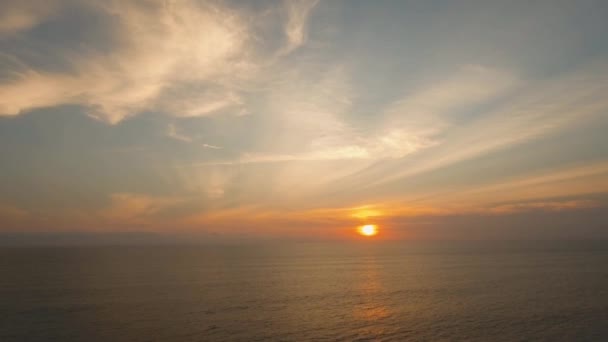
298, 12
536, 109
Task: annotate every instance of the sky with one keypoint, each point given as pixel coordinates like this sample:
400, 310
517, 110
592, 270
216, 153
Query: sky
305, 119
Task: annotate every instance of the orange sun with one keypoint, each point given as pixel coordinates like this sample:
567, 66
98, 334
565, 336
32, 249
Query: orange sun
368, 230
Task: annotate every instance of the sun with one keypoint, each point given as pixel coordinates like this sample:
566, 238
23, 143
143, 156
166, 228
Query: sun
368, 230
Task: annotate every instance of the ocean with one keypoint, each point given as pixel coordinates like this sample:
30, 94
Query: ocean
414, 291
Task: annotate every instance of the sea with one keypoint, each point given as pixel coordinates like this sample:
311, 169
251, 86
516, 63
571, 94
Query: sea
351, 291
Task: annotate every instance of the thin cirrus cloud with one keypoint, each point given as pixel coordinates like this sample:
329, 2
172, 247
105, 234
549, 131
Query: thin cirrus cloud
535, 109
310, 112
298, 12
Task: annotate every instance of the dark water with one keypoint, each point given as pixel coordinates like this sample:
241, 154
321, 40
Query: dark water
480, 291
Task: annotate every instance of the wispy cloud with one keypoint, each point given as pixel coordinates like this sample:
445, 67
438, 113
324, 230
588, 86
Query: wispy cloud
311, 109
187, 102
23, 15
421, 118
184, 58
544, 206
10, 212
172, 133
212, 146
298, 12
568, 181
163, 44
535, 109
137, 208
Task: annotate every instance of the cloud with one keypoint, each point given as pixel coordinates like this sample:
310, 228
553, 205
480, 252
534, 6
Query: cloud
317, 107
310, 110
339, 153
297, 18
533, 109
339, 221
172, 133
194, 100
434, 103
159, 45
543, 206
11, 213
564, 188
567, 181
24, 15
214, 147
185, 58
138, 208
396, 144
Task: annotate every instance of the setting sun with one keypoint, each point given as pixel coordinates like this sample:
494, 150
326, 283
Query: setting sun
368, 230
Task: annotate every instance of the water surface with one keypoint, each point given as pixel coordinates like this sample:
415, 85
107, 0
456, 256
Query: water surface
298, 292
